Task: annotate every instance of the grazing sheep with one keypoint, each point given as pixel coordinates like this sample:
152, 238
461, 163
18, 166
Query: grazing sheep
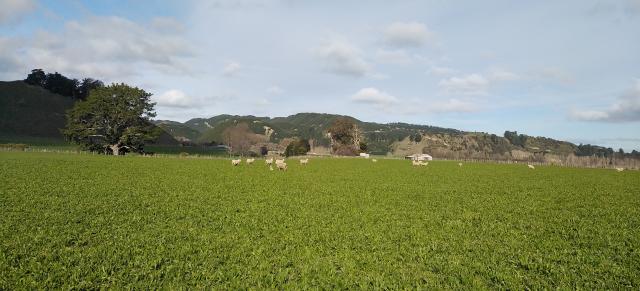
304, 161
531, 167
279, 161
619, 169
423, 163
415, 163
282, 166
459, 164
235, 162
268, 161
250, 161
374, 160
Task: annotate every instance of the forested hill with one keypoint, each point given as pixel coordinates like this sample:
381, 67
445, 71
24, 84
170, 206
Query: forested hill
30, 111
395, 138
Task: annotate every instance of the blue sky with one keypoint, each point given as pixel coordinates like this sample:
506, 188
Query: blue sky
564, 69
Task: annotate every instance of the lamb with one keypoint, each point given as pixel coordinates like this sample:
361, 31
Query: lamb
619, 169
531, 167
415, 163
250, 161
304, 161
282, 166
459, 164
236, 162
268, 161
374, 160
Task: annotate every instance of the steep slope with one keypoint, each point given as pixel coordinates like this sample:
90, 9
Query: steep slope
28, 111
32, 111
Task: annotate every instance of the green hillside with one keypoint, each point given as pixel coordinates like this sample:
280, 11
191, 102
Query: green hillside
31, 114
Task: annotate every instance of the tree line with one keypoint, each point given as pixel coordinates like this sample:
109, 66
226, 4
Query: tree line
60, 84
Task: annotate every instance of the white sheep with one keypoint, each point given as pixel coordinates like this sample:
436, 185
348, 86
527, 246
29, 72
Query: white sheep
415, 163
619, 169
279, 161
459, 164
268, 161
282, 166
304, 161
374, 160
250, 161
423, 163
531, 167
235, 162
270, 167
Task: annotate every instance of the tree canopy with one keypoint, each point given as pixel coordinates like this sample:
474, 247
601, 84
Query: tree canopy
113, 119
60, 84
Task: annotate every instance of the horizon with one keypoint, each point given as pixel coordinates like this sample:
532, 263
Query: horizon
477, 67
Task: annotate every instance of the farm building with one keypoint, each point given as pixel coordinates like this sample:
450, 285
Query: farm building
419, 157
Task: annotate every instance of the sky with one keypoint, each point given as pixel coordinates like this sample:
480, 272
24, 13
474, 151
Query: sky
568, 70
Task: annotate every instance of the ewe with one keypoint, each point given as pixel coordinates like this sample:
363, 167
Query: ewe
235, 162
268, 161
279, 161
619, 169
250, 161
531, 167
459, 164
282, 166
304, 161
374, 160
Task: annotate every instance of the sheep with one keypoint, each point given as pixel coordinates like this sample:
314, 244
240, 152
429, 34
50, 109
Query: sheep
423, 163
270, 167
374, 160
619, 169
459, 164
279, 161
235, 162
531, 167
250, 161
282, 166
268, 161
415, 163
304, 161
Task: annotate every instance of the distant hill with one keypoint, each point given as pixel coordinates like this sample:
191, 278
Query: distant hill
28, 111
394, 138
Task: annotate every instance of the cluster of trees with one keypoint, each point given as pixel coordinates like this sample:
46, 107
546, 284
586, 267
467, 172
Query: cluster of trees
515, 139
240, 138
587, 150
113, 120
297, 147
345, 137
59, 84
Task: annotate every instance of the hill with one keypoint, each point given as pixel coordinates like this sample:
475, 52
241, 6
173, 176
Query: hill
28, 112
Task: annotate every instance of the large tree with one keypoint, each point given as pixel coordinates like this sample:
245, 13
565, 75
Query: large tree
113, 119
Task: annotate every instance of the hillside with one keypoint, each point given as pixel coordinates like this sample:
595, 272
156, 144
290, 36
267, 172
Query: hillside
395, 138
28, 112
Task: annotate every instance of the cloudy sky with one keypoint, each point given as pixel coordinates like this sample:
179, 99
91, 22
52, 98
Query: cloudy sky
563, 69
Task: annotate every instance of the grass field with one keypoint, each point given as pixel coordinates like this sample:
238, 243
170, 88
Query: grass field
84, 221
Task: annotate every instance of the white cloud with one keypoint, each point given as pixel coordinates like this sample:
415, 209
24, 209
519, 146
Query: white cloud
625, 109
373, 96
473, 84
498, 75
556, 74
13, 10
441, 71
107, 48
231, 69
174, 98
410, 34
476, 84
399, 57
275, 90
342, 57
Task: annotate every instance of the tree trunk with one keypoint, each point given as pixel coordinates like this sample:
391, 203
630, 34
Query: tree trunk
115, 149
